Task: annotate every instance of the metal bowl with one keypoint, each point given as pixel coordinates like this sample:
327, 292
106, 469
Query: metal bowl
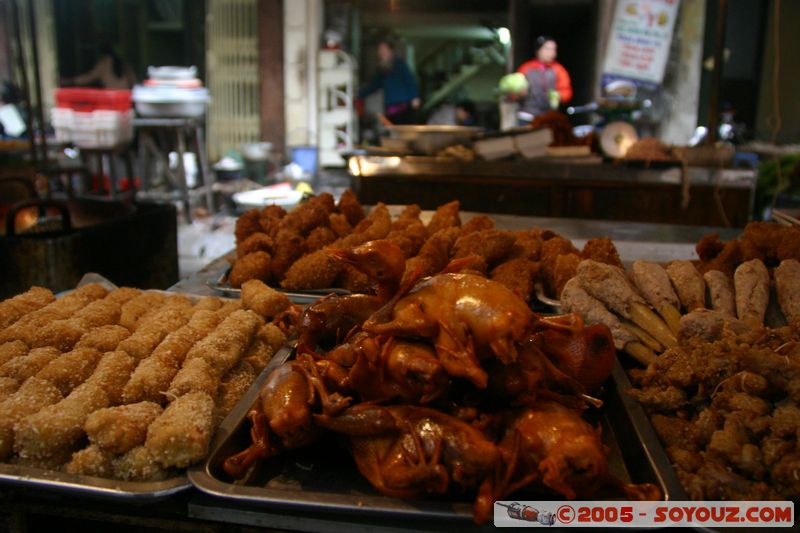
428, 140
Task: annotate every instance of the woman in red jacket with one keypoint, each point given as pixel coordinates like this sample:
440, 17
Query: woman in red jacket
548, 82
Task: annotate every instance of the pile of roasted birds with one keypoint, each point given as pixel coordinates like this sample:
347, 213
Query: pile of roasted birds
721, 342
441, 384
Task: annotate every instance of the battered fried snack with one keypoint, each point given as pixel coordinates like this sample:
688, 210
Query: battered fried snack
350, 207
138, 465
122, 428
269, 339
653, 283
32, 396
256, 265
91, 461
196, 375
688, 284
59, 426
256, 242
289, 245
339, 225
528, 245
710, 325
270, 219
11, 349
233, 387
787, 285
15, 308
601, 249
751, 282
353, 280
123, 295
154, 374
26, 327
228, 307
136, 308
518, 275
317, 270
64, 334
152, 331
247, 224
492, 245
434, 254
720, 292
410, 238
103, 339
182, 434
319, 238
477, 223
8, 386
207, 303
446, 216
555, 246
409, 215
71, 369
263, 300
310, 214
376, 226
21, 368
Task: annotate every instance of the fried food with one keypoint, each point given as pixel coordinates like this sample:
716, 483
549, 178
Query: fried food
720, 292
67, 371
350, 207
289, 246
121, 428
138, 307
8, 386
123, 295
560, 272
339, 225
410, 238
519, 275
233, 387
182, 434
11, 349
552, 248
15, 308
446, 216
316, 270
153, 374
601, 249
247, 224
256, 265
408, 216
491, 245
376, 226
152, 331
270, 219
353, 280
256, 242
688, 284
477, 223
91, 461
527, 245
787, 285
319, 238
64, 334
138, 464
103, 339
32, 396
263, 300
208, 303
653, 283
710, 325
21, 368
434, 254
751, 283
309, 215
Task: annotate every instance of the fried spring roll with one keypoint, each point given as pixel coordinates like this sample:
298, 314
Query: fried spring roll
121, 428
787, 285
32, 396
233, 387
137, 307
264, 300
653, 283
688, 284
153, 375
91, 461
15, 308
103, 339
71, 369
138, 465
123, 295
11, 349
208, 303
8, 386
751, 282
64, 334
152, 331
196, 375
21, 368
720, 292
182, 434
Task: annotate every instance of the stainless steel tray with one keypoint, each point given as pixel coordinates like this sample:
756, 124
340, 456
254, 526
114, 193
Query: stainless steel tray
323, 479
220, 284
96, 487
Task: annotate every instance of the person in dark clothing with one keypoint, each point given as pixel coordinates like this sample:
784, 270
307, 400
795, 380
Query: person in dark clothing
110, 72
400, 89
548, 81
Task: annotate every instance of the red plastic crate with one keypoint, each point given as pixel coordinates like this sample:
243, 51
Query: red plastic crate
80, 99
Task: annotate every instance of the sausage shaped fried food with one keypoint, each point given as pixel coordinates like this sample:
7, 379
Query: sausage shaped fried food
317, 270
11, 349
491, 244
64, 334
434, 254
233, 387
289, 245
8, 386
688, 283
138, 307
518, 275
410, 238
247, 224
350, 207
21, 368
153, 330
91, 461
309, 215
123, 295
15, 308
319, 238
270, 219
138, 465
339, 225
787, 285
477, 223
257, 265
182, 434
653, 283
263, 300
257, 242
751, 282
446, 216
720, 292
121, 428
32, 396
71, 369
103, 339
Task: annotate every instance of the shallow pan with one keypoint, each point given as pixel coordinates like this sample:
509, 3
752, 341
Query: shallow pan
220, 284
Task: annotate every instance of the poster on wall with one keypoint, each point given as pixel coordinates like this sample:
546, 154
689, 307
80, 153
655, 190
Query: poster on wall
639, 41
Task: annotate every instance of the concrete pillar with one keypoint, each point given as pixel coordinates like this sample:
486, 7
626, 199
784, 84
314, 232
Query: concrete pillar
302, 30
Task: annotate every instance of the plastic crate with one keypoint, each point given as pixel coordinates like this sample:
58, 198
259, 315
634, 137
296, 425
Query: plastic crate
92, 129
86, 100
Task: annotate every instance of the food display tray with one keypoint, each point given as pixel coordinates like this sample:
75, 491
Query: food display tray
219, 283
323, 479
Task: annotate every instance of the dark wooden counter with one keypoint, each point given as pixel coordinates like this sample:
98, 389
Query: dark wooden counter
592, 189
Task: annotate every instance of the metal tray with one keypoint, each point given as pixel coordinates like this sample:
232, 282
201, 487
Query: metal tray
220, 284
322, 479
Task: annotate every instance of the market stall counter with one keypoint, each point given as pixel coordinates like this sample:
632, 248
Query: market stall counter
584, 187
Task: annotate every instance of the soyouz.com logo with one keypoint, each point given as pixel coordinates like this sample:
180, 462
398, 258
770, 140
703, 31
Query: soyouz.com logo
643, 514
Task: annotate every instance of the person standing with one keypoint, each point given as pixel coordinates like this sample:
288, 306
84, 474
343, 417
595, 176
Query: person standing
110, 72
549, 84
400, 90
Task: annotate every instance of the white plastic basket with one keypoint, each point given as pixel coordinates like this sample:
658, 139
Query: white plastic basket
92, 129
